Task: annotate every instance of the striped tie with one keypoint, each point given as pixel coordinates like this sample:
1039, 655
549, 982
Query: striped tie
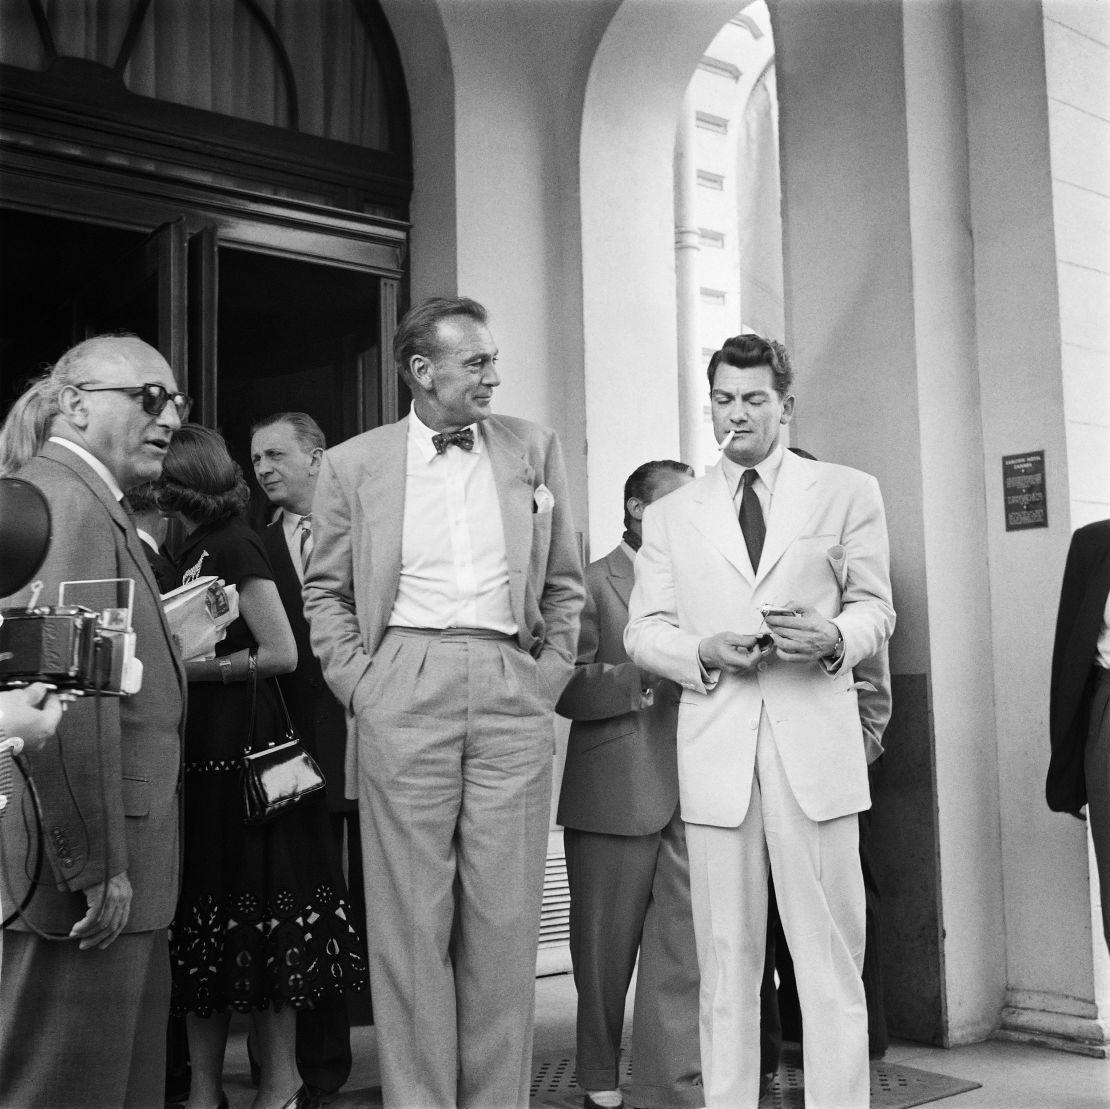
306, 541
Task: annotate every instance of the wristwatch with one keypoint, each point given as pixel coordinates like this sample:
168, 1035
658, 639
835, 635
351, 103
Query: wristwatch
225, 669
838, 647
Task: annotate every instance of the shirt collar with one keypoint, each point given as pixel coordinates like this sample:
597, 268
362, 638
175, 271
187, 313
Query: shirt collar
148, 539
768, 470
93, 461
421, 435
628, 551
290, 521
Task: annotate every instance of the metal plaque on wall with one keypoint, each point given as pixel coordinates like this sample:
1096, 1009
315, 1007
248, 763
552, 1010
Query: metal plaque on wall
1023, 491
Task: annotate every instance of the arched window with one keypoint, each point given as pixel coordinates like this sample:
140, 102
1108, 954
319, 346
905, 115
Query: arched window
316, 68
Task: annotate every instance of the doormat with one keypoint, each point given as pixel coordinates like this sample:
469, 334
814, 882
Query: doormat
893, 1086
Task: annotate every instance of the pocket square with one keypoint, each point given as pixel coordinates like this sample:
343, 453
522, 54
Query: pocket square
543, 499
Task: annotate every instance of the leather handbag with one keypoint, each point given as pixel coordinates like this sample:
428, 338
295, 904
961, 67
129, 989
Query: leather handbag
279, 775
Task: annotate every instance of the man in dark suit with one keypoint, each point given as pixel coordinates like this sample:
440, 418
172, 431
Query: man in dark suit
83, 1020
286, 452
443, 596
1079, 718
625, 845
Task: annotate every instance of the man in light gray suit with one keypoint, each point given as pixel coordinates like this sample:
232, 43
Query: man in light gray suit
443, 597
625, 844
83, 1019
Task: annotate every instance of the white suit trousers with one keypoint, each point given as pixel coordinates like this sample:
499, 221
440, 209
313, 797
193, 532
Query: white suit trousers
820, 894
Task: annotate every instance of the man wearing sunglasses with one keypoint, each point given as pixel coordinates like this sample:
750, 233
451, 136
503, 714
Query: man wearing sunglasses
83, 1013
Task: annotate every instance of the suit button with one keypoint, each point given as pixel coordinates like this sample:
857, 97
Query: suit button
761, 667
753, 725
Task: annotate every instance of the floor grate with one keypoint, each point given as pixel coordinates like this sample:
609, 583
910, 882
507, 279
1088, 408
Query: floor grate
554, 1086
893, 1086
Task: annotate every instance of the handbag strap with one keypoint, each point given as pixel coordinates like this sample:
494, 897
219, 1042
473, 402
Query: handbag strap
252, 677
289, 727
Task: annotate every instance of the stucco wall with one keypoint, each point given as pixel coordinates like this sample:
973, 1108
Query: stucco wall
1077, 63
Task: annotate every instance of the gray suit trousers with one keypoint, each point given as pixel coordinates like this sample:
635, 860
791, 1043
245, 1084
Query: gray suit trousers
456, 743
99, 1031
631, 894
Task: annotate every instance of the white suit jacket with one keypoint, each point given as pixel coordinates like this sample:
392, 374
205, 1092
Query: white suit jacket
826, 548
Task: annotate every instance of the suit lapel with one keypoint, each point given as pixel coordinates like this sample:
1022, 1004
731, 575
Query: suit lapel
791, 506
514, 477
619, 571
281, 562
382, 494
131, 541
714, 515
1099, 588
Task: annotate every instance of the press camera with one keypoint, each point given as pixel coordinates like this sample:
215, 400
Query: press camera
75, 647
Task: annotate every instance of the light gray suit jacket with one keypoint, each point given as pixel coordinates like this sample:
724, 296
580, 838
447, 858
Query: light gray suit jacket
621, 774
110, 801
358, 517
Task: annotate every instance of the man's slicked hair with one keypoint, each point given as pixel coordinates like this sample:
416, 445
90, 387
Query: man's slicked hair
305, 428
641, 482
417, 333
745, 352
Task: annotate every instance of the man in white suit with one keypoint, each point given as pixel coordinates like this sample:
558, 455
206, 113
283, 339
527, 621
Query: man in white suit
771, 758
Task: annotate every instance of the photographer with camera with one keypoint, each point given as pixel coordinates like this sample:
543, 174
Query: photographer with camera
92, 842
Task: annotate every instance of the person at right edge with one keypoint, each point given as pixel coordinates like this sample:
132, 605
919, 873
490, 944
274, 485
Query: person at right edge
1079, 696
771, 762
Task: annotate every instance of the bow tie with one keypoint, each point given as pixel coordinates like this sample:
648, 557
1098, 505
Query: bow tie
464, 438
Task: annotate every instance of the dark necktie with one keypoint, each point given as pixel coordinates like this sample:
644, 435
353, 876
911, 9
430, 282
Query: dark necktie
464, 438
751, 519
306, 541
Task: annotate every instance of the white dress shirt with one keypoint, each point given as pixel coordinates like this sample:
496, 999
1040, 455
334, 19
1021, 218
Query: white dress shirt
1102, 645
454, 569
764, 484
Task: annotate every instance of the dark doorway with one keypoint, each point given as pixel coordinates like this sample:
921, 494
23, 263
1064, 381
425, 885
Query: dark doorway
50, 274
295, 336
248, 333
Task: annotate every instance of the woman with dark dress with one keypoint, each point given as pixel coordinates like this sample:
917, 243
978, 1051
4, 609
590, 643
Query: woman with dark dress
263, 920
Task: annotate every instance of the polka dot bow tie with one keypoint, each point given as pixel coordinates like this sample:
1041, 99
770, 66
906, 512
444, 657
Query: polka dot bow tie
463, 438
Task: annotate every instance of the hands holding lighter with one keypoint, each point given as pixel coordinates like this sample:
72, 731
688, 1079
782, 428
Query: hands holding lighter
794, 633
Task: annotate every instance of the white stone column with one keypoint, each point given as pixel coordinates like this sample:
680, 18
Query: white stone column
691, 384
1050, 945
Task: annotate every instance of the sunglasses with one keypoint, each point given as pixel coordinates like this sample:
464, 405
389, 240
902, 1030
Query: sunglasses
154, 397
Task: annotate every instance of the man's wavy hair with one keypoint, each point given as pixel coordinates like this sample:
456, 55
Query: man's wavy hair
418, 331
748, 351
200, 479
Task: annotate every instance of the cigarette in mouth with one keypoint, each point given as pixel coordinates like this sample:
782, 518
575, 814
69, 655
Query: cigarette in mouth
726, 440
